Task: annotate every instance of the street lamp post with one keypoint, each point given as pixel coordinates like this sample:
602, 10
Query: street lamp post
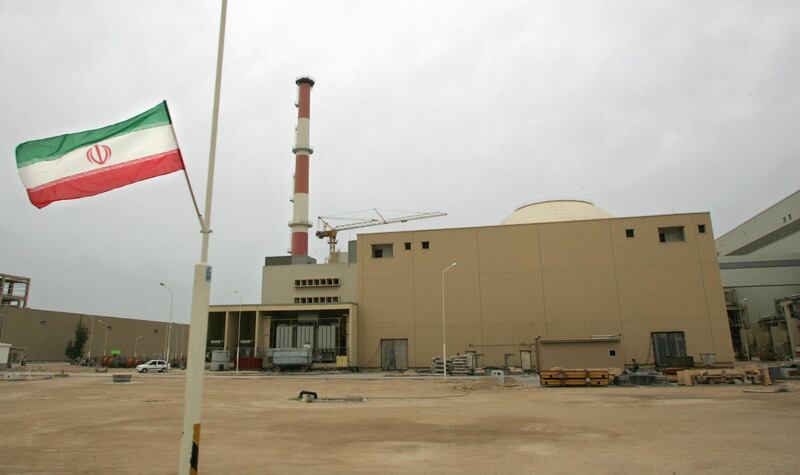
444, 339
91, 335
742, 335
136, 344
169, 328
105, 338
238, 330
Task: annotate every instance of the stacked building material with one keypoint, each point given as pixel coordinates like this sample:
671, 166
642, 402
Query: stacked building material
459, 365
752, 375
575, 377
436, 365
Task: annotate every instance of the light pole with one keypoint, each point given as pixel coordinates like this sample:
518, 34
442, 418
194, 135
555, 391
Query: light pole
169, 328
91, 335
238, 329
105, 339
136, 344
742, 335
444, 340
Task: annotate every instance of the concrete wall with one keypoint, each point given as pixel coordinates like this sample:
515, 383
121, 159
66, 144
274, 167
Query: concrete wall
44, 334
278, 282
555, 280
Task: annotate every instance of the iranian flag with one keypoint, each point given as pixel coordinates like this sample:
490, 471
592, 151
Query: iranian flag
95, 161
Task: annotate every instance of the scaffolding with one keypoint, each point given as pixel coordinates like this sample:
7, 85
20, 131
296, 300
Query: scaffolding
14, 291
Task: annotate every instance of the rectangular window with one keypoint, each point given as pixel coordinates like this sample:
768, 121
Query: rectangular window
426, 244
629, 233
335, 281
671, 234
380, 251
612, 352
701, 228
407, 246
297, 283
336, 299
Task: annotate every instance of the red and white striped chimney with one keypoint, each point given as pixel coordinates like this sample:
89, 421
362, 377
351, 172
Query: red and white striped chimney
302, 151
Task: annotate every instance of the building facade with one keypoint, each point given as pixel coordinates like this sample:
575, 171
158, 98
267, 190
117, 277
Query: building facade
760, 268
44, 334
648, 287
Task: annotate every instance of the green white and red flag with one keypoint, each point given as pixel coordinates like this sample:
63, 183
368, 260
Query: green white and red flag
87, 163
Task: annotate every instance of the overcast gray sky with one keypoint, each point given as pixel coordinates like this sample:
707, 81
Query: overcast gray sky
471, 108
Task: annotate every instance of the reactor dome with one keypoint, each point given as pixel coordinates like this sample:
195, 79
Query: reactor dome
555, 211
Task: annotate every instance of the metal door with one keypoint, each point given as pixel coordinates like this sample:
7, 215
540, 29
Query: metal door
394, 354
525, 358
666, 344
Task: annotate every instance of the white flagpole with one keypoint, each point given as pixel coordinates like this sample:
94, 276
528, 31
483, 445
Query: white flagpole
198, 331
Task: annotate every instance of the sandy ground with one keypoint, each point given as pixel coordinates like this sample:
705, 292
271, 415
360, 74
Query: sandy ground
86, 424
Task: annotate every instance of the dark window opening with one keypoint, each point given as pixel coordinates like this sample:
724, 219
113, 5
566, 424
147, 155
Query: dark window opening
701, 228
426, 244
612, 352
629, 233
382, 251
671, 234
407, 246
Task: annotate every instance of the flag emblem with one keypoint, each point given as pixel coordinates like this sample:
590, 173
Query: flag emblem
99, 154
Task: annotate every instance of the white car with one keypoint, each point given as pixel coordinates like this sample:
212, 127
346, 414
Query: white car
160, 366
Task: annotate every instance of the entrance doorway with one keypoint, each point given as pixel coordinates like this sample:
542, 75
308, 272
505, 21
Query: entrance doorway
526, 360
666, 345
394, 354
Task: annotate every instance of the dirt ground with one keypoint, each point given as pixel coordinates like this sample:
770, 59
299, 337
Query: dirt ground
87, 424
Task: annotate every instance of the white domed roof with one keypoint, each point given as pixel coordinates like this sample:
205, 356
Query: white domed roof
555, 211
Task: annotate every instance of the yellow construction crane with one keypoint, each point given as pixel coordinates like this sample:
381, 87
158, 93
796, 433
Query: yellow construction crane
326, 230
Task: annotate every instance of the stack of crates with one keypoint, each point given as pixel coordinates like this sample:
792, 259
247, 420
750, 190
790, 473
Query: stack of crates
436, 365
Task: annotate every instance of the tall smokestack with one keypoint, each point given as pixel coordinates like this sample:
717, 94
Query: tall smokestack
302, 152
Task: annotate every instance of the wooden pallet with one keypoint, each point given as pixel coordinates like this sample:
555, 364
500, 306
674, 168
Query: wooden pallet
575, 377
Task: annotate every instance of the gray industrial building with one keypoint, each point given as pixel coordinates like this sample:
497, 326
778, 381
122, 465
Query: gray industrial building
760, 269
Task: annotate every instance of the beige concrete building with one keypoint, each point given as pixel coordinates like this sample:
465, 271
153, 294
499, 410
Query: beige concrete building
302, 303
607, 289
44, 334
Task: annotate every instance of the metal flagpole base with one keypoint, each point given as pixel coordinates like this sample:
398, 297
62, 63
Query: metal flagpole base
195, 368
